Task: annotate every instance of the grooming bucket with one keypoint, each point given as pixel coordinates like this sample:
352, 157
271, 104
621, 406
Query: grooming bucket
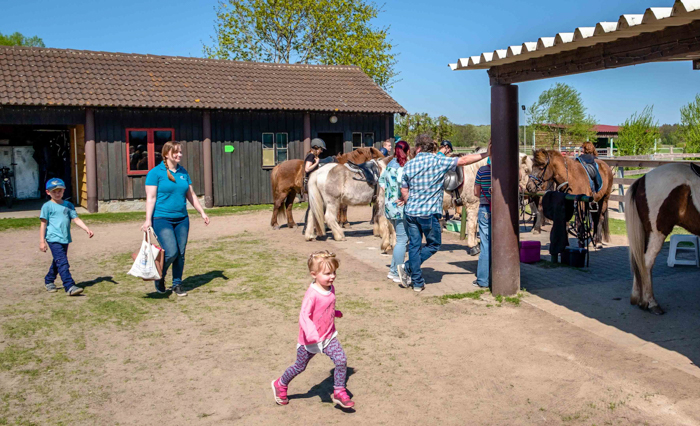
575, 256
530, 251
453, 225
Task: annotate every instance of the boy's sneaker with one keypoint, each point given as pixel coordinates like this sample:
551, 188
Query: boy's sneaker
404, 278
74, 290
50, 287
160, 286
418, 289
395, 278
340, 397
177, 289
280, 393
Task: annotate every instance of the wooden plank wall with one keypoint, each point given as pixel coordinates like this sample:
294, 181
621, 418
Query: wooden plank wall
349, 123
77, 143
110, 132
239, 178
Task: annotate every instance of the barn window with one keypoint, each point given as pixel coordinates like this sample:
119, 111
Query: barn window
356, 140
274, 147
368, 139
144, 149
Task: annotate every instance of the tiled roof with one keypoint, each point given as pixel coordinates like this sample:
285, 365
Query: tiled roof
653, 19
605, 128
37, 76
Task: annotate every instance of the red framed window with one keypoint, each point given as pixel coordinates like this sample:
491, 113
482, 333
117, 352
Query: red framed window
144, 148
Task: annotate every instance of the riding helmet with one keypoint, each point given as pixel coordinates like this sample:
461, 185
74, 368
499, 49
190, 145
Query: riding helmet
447, 144
318, 143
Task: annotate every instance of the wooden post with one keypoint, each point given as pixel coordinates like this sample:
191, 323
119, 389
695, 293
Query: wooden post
208, 174
621, 187
307, 133
388, 130
91, 160
505, 252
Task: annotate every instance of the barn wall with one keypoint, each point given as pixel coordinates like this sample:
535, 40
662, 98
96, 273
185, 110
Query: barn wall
41, 115
110, 135
348, 124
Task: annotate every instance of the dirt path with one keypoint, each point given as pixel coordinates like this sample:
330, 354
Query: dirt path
121, 355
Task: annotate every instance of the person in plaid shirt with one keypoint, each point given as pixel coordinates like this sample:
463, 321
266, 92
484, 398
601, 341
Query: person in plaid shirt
422, 191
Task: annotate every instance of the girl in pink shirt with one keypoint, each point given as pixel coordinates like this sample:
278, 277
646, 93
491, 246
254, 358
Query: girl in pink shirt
317, 330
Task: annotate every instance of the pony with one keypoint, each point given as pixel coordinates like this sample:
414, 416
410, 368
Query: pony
570, 176
334, 185
287, 180
357, 156
470, 202
665, 197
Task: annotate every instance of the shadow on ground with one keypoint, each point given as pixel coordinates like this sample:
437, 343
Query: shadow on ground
602, 292
324, 390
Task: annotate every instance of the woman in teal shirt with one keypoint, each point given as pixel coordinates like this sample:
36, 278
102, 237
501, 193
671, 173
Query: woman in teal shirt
168, 187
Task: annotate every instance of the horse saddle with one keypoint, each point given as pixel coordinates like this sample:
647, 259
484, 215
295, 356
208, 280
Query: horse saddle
695, 168
591, 168
453, 179
369, 171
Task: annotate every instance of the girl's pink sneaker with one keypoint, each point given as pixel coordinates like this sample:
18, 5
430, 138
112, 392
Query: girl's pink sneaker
340, 397
280, 392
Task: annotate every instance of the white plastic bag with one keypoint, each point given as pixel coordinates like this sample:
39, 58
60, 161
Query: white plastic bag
145, 263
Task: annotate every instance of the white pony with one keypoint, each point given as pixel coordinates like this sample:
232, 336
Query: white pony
665, 197
470, 202
335, 184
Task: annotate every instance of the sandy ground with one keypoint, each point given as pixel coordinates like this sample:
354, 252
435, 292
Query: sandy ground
209, 358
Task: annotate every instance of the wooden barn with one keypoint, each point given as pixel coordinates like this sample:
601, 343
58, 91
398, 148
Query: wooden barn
98, 120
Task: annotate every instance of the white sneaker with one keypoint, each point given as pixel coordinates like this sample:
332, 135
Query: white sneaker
394, 278
404, 278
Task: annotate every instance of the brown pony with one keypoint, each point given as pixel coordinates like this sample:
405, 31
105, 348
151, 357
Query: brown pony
569, 176
287, 180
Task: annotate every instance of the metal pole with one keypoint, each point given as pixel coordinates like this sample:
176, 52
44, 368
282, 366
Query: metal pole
91, 160
505, 252
621, 188
206, 150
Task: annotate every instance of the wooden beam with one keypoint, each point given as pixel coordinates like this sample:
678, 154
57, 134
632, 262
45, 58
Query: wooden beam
673, 43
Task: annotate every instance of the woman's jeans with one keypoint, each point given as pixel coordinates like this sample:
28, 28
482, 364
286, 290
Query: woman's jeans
400, 247
417, 227
483, 270
172, 235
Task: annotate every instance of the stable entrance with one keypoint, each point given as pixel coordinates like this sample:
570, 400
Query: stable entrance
36, 154
334, 143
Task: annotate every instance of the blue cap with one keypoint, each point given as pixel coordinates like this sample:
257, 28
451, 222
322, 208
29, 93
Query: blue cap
55, 183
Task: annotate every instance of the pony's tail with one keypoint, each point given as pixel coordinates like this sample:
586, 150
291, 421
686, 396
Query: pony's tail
315, 208
635, 235
273, 179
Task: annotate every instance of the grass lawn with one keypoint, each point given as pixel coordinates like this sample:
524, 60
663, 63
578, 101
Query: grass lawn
100, 218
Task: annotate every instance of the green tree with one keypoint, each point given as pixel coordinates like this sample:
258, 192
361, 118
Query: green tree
638, 133
670, 134
410, 126
17, 39
690, 125
328, 32
560, 108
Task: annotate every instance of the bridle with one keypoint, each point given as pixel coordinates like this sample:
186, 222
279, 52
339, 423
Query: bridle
539, 180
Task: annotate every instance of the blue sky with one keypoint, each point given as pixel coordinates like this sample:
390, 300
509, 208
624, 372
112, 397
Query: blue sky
427, 34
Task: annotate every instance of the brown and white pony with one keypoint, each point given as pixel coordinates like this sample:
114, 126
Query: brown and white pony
287, 180
665, 197
569, 176
334, 185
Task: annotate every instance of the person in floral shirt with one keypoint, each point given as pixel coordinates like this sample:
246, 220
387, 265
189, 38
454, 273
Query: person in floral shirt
390, 180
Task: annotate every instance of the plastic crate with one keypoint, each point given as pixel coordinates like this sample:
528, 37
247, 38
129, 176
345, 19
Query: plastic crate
453, 225
530, 251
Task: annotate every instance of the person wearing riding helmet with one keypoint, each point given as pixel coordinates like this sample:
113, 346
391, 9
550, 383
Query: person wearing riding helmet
445, 148
311, 162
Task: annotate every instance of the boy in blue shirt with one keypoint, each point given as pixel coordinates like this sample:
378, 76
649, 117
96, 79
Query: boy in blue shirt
56, 216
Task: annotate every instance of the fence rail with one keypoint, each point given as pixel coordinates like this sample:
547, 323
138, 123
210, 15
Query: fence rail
638, 161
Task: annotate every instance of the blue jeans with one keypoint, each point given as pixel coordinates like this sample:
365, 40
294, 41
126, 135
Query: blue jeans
172, 235
400, 247
59, 266
417, 227
484, 268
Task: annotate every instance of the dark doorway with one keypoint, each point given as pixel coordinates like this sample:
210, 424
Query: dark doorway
334, 144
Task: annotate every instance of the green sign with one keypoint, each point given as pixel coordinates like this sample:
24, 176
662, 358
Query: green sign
228, 148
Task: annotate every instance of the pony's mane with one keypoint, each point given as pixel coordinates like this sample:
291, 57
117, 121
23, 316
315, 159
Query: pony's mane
539, 157
360, 155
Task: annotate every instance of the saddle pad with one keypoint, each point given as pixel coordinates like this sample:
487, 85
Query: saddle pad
368, 170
